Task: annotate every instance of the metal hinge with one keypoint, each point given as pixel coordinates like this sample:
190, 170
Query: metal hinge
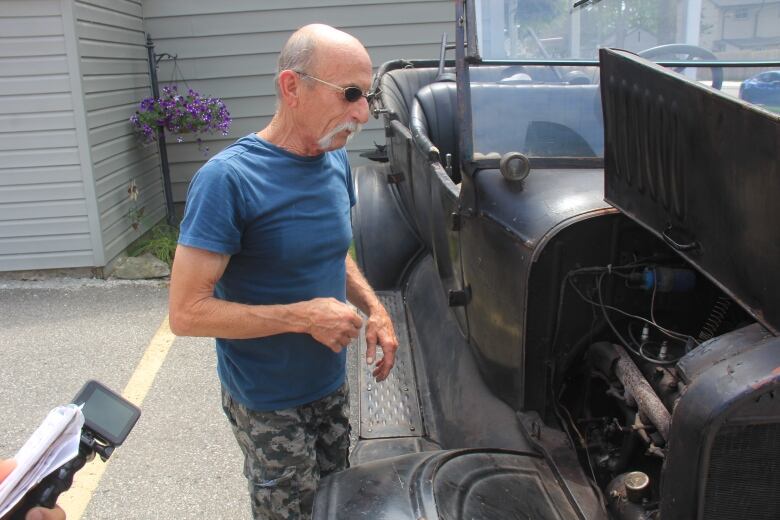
455, 221
459, 298
456, 218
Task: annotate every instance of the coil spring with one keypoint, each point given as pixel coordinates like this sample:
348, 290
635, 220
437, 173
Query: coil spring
716, 317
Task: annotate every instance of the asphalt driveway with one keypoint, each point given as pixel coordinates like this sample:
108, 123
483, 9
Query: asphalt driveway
181, 460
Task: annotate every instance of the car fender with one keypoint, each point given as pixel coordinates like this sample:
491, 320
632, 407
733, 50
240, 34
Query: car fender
385, 241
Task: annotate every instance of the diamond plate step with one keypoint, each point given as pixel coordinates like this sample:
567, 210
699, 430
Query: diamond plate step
390, 408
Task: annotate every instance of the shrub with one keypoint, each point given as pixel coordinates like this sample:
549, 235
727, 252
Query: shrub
161, 242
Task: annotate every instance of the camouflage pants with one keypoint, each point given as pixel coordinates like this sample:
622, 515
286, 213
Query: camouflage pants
287, 451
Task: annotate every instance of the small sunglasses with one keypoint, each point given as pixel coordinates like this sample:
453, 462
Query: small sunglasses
351, 93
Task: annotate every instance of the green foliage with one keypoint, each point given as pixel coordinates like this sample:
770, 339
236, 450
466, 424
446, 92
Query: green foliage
619, 18
160, 241
533, 11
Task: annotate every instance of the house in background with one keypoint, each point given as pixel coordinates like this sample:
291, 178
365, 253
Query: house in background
72, 73
735, 26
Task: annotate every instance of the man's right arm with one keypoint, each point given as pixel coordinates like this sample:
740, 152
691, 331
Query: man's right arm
194, 311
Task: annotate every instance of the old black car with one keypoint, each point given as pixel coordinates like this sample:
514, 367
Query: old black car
580, 250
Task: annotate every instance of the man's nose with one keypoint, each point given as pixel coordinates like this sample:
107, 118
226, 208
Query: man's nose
360, 111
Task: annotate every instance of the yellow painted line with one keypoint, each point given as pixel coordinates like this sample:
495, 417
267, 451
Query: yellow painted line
76, 499
150, 364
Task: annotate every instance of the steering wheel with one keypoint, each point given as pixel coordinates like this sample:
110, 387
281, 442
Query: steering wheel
685, 52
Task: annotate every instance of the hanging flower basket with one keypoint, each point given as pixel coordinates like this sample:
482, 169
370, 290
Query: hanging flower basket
180, 114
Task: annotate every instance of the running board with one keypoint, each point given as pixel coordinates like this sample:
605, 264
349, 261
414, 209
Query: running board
390, 408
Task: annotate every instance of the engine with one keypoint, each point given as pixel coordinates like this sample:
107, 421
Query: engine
664, 384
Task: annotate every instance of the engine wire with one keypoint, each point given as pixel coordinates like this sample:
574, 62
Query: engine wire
603, 271
586, 270
640, 345
567, 426
668, 332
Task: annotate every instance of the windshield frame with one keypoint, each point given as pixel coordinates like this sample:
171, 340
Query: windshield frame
468, 55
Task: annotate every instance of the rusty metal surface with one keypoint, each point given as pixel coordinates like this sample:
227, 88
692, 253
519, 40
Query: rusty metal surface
646, 399
390, 408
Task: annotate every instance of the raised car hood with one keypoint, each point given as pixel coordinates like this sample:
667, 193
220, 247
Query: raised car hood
700, 169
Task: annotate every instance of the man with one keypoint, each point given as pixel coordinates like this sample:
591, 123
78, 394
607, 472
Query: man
262, 265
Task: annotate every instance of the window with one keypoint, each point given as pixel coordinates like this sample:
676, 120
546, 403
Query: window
741, 14
772, 75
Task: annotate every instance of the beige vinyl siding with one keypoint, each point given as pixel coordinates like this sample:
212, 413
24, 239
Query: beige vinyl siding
229, 50
45, 221
115, 77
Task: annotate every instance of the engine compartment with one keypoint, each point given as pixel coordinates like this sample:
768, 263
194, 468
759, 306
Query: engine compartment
616, 313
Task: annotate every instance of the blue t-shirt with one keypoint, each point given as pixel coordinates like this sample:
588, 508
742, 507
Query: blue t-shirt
284, 220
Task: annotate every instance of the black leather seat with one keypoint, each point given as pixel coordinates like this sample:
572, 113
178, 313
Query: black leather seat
398, 88
434, 122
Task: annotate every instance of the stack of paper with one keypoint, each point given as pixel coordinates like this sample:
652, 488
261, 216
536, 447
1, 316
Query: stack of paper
55, 442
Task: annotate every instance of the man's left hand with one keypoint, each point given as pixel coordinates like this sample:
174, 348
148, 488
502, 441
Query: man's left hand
379, 331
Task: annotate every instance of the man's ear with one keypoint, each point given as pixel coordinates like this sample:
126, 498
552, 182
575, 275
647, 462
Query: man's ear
289, 87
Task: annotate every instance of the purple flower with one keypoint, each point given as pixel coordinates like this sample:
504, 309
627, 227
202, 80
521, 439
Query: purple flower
176, 113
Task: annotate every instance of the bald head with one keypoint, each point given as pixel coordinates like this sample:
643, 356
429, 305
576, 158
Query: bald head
317, 109
312, 46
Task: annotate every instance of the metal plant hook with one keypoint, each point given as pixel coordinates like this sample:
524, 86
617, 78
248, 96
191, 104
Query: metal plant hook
176, 70
164, 56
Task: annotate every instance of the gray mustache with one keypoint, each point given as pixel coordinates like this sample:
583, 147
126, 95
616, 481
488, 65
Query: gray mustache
351, 126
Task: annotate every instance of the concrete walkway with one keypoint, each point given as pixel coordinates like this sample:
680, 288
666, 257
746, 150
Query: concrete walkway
181, 460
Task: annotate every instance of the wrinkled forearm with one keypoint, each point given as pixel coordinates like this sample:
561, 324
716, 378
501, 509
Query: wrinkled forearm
359, 292
212, 317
